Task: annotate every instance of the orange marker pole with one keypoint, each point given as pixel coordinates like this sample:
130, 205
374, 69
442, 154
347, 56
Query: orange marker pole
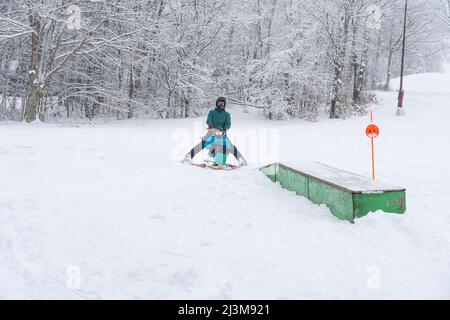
373, 149
373, 161
372, 131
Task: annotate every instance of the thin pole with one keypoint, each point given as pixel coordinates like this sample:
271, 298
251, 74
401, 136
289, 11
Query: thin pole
373, 149
373, 161
401, 93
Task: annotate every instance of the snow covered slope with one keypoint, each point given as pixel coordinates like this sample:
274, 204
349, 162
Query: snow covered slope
106, 209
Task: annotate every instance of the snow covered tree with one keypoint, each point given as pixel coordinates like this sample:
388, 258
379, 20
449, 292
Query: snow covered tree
172, 58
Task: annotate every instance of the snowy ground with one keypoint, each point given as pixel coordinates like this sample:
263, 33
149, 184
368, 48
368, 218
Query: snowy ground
108, 203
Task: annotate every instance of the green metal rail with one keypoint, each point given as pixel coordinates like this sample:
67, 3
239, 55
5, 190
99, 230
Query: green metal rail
349, 196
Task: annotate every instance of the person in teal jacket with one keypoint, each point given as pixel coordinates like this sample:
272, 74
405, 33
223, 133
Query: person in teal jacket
216, 140
219, 118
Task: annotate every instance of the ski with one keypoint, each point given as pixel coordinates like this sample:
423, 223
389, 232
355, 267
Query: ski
200, 165
223, 167
212, 165
208, 164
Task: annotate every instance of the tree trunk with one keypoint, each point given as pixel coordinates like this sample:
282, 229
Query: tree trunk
130, 92
337, 92
376, 63
362, 71
337, 103
34, 95
388, 72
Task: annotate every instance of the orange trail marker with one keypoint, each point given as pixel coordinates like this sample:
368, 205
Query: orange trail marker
372, 131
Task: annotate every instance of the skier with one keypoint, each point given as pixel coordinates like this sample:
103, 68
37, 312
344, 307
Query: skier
219, 118
216, 140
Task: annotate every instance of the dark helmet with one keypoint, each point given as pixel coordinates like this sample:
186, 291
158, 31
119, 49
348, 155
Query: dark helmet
221, 99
